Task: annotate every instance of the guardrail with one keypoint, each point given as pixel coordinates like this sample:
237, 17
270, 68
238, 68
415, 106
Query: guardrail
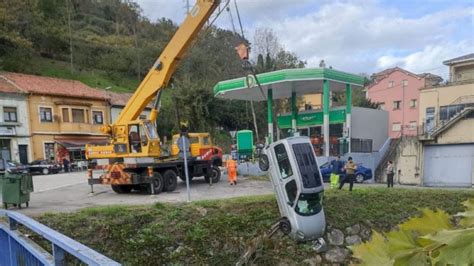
18, 249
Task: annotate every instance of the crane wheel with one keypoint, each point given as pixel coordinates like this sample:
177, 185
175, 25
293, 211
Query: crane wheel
215, 174
157, 183
170, 179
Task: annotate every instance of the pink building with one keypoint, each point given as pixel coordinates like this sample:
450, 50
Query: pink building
397, 91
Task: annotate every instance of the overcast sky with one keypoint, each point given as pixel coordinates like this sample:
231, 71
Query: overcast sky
360, 36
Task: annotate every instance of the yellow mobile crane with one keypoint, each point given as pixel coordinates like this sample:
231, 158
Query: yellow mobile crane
133, 154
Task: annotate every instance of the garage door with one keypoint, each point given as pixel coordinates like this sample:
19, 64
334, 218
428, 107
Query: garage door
449, 165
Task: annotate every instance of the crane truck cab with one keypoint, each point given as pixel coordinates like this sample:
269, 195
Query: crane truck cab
201, 147
297, 181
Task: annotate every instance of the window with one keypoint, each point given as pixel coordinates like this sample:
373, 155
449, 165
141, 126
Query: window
65, 114
397, 105
412, 125
49, 151
396, 127
283, 161
405, 82
291, 191
206, 140
77, 155
9, 114
46, 114
142, 117
307, 165
309, 203
390, 84
382, 106
430, 118
78, 116
413, 103
97, 117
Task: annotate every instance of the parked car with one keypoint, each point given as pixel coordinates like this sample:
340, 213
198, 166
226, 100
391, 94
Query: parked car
362, 173
297, 182
44, 167
12, 167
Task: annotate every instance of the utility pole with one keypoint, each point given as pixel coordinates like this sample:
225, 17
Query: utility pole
403, 107
187, 7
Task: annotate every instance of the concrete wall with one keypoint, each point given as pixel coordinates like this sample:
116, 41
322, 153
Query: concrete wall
461, 132
22, 128
381, 92
370, 124
407, 162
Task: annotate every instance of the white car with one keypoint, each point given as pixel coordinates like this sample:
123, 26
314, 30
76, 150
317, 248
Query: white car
298, 185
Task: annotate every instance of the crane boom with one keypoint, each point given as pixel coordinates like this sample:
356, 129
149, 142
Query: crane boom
161, 71
131, 137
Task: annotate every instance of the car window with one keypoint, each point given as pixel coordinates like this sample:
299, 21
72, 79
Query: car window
307, 165
291, 191
309, 203
283, 161
35, 162
11, 164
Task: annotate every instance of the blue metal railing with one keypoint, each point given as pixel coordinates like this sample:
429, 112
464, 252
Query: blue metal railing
18, 249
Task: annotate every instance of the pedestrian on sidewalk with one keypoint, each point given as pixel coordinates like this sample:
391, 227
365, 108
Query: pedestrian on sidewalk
390, 174
337, 168
350, 167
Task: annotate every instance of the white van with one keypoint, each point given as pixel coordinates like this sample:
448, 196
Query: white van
298, 185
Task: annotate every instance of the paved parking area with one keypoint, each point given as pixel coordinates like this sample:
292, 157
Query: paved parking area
66, 192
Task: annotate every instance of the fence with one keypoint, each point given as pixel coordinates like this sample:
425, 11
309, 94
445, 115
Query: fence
18, 249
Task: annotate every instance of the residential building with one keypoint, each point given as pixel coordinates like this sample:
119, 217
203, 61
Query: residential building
443, 152
64, 115
397, 92
118, 102
15, 142
461, 69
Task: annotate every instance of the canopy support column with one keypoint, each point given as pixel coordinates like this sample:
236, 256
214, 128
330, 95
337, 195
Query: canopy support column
348, 115
270, 115
294, 112
326, 116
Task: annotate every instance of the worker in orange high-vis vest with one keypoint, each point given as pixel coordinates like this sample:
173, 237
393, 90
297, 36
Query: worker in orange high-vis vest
231, 166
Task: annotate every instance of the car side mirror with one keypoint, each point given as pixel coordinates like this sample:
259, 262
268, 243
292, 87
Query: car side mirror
289, 203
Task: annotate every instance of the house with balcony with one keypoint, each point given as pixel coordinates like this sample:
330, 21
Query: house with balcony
447, 127
15, 142
442, 154
397, 91
64, 115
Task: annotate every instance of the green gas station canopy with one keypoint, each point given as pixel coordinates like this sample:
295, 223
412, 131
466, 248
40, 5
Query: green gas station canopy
283, 82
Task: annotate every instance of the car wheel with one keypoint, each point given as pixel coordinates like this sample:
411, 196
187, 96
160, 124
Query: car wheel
285, 226
171, 180
359, 178
215, 175
45, 171
263, 162
121, 189
157, 184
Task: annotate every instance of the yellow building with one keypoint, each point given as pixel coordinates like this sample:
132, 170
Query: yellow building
311, 102
64, 115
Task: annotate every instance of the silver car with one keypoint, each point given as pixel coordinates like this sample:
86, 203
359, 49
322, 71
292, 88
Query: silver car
297, 181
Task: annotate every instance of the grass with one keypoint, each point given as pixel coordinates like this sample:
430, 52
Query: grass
216, 231
94, 78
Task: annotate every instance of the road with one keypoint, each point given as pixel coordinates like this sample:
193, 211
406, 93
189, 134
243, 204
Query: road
67, 192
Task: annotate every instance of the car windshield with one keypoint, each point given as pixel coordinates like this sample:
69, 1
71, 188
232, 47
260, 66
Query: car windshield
12, 164
309, 203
